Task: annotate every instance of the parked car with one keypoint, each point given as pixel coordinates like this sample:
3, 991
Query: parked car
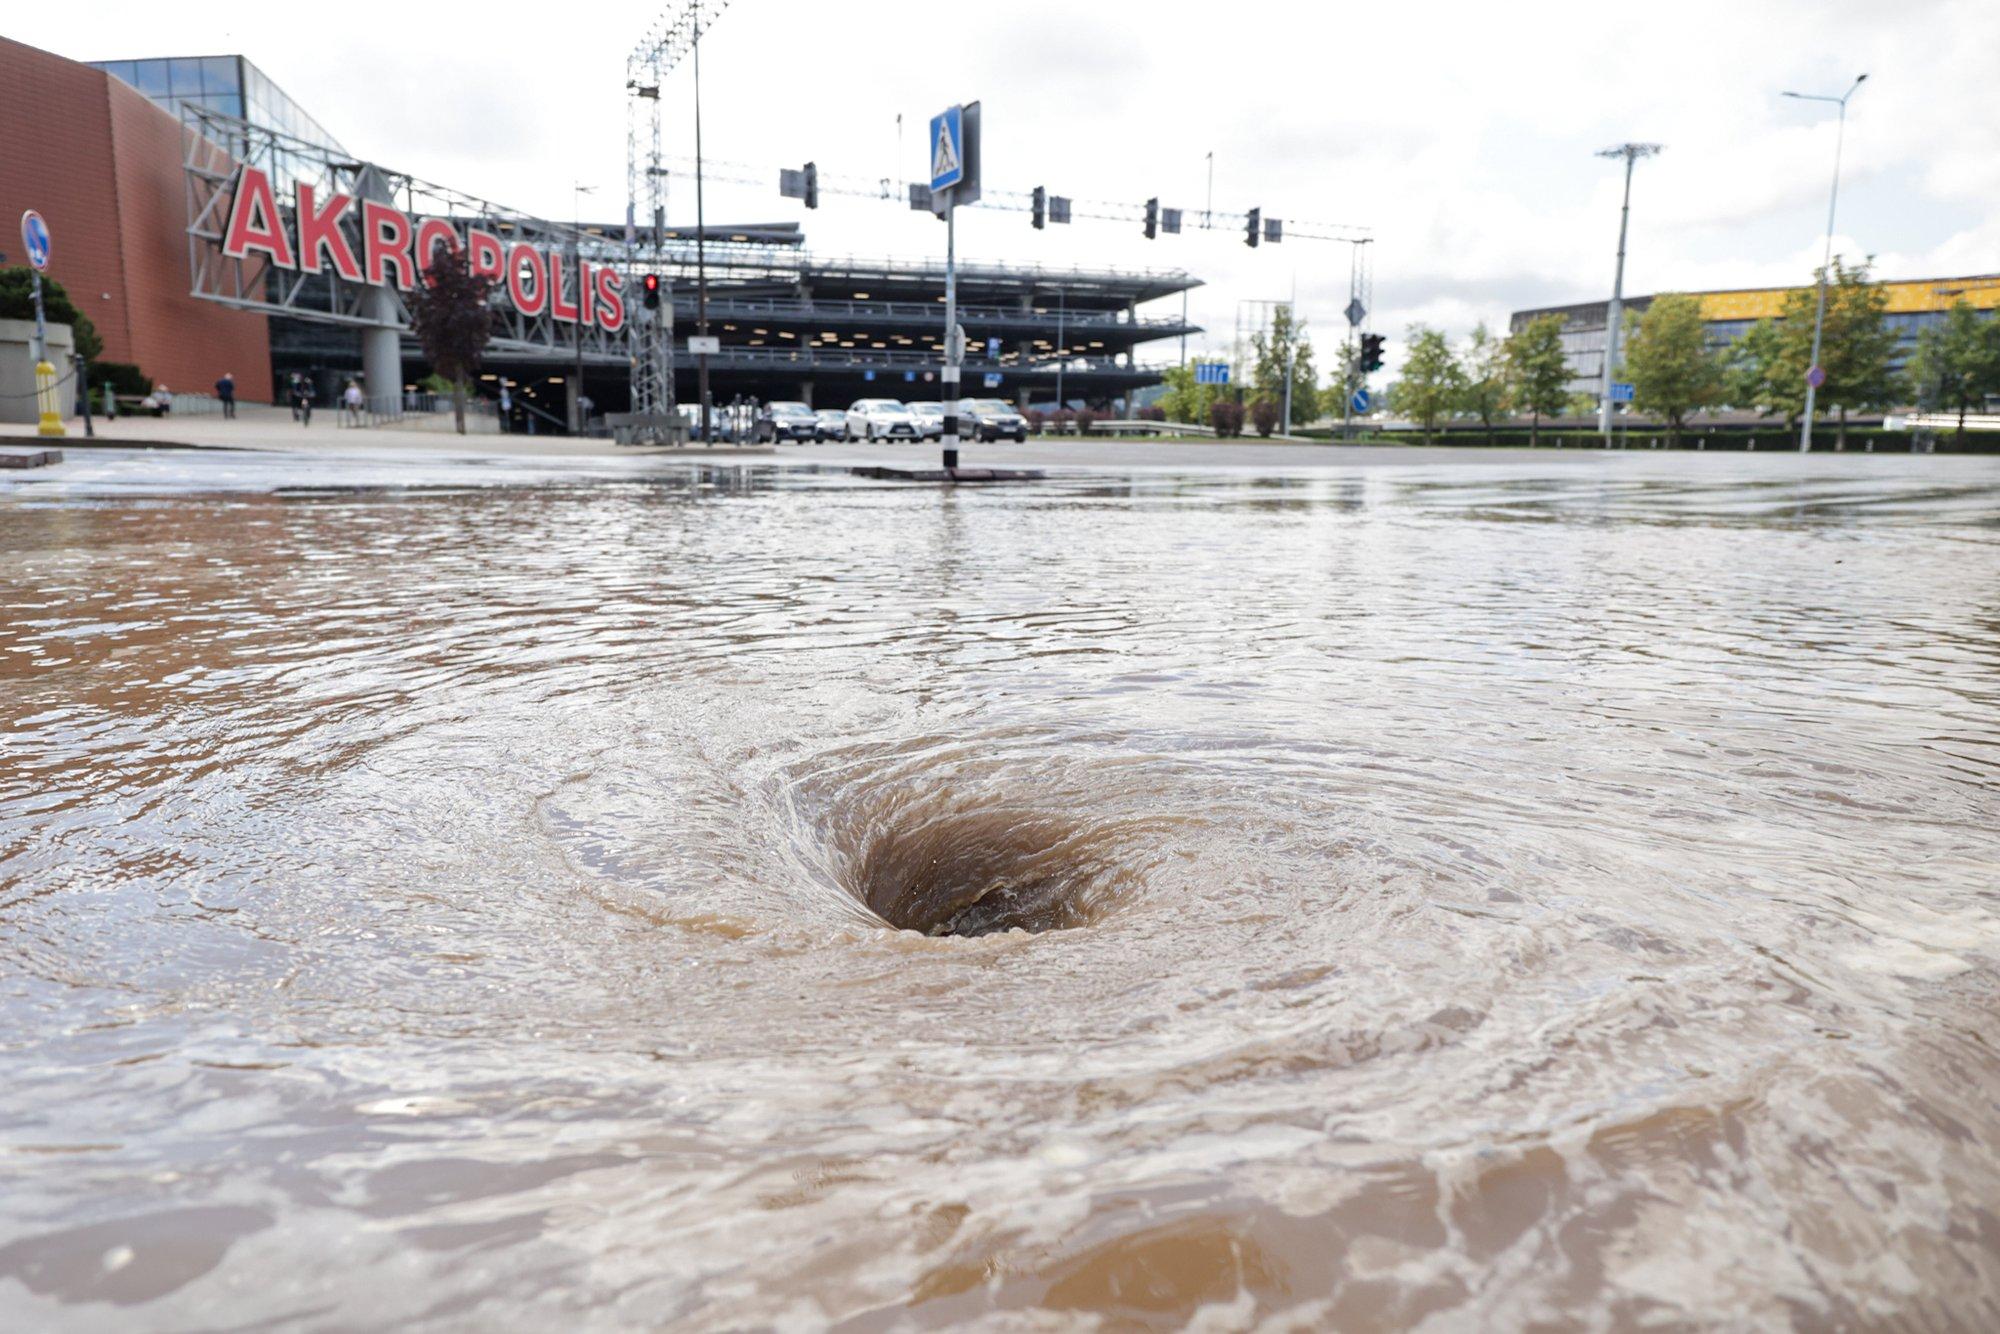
880, 419
991, 419
930, 419
829, 424
786, 421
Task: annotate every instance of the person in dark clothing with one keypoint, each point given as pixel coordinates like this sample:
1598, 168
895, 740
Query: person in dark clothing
303, 394
225, 392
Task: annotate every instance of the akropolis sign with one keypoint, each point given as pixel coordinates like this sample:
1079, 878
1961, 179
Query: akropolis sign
394, 249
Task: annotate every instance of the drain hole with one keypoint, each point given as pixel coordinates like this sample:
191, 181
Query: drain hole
971, 874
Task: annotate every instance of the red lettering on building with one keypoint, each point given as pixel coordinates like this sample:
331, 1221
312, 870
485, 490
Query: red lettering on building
586, 293
485, 256
430, 233
610, 304
319, 233
385, 240
558, 308
526, 266
253, 221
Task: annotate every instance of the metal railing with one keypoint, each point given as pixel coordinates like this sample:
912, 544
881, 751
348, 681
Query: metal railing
818, 358
927, 312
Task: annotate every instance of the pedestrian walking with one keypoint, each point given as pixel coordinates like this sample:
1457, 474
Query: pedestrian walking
225, 393
303, 394
165, 398
506, 409
351, 402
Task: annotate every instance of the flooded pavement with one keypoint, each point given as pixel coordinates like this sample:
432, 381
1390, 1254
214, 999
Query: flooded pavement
1480, 896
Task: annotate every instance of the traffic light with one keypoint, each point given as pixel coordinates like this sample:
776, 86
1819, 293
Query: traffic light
812, 185
1371, 352
1152, 217
651, 283
1253, 234
1041, 207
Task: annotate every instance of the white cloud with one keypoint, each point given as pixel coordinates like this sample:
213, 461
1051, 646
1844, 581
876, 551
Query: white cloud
1463, 133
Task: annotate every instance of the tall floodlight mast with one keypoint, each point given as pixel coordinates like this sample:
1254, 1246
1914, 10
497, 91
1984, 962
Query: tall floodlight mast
671, 38
1614, 315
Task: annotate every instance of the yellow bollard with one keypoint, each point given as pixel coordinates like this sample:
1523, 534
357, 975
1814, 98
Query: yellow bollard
45, 395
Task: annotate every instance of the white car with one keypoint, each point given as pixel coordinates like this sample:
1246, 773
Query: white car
830, 424
881, 419
930, 419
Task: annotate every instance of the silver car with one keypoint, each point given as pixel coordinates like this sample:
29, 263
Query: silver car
930, 419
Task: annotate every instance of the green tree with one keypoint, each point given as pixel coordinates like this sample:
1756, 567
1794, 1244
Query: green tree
453, 321
1538, 372
1483, 378
1856, 346
1767, 366
17, 302
1957, 364
1668, 362
1184, 400
1431, 382
1347, 378
1285, 340
1765, 369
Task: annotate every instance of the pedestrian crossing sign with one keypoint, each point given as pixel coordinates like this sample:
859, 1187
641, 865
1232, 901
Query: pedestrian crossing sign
947, 148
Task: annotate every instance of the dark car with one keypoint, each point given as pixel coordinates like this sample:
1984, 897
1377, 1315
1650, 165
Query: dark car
786, 421
991, 419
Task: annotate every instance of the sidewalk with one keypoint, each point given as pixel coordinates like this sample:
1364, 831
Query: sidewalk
262, 427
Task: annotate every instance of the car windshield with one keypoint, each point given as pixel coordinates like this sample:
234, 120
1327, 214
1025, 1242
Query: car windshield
790, 410
889, 409
990, 405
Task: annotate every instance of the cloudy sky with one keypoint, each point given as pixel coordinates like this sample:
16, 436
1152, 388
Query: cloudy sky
1463, 134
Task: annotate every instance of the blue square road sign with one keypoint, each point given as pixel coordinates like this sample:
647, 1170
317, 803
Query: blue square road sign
947, 148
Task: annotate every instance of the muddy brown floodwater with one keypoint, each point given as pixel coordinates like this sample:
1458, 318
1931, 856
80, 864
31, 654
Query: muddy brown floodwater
1545, 894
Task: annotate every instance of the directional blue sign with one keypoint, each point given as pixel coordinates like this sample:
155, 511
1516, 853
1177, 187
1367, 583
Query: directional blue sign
35, 236
947, 148
868, 375
1621, 391
1211, 372
992, 380
1359, 402
909, 377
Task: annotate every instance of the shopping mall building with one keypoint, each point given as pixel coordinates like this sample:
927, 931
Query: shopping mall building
1913, 305
144, 170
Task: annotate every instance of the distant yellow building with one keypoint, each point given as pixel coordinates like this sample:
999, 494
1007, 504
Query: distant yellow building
1913, 304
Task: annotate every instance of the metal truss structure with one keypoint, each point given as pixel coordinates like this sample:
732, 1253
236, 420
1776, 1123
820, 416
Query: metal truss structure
671, 38
221, 146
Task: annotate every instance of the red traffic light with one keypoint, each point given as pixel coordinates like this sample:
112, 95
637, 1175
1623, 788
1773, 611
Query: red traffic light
651, 284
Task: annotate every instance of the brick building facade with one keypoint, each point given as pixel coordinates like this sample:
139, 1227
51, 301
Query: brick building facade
103, 165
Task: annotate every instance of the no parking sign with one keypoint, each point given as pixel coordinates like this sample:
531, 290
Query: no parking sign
35, 236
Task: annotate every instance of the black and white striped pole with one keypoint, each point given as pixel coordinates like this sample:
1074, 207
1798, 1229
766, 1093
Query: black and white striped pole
954, 180
953, 352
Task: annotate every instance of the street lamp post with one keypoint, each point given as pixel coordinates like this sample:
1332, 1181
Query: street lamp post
1615, 314
1833, 202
